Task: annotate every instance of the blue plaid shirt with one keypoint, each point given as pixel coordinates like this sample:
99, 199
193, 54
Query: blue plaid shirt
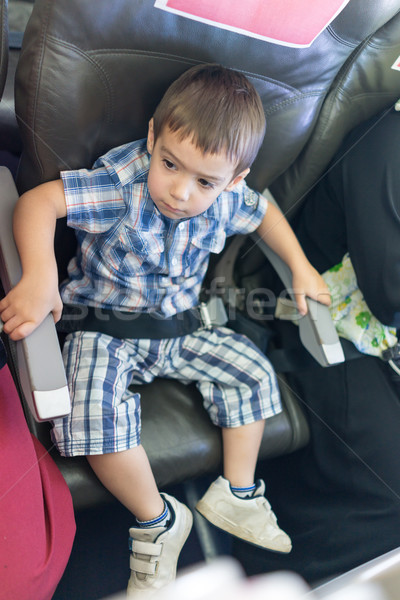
129, 255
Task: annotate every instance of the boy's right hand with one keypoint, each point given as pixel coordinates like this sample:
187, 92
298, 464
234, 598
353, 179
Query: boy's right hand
36, 294
27, 305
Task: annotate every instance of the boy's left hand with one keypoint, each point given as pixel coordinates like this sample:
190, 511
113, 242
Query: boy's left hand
308, 282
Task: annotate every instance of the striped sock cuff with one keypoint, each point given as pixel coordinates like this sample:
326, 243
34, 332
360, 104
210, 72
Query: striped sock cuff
158, 521
243, 492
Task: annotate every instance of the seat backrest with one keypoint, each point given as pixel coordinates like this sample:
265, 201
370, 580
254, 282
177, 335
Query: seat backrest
89, 77
91, 74
368, 82
17, 13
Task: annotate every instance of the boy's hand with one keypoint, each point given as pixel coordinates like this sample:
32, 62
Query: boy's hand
308, 282
27, 305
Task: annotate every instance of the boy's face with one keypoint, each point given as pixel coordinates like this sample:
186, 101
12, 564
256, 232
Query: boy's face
183, 181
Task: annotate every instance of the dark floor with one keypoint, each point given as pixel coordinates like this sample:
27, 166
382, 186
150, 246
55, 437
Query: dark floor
10, 161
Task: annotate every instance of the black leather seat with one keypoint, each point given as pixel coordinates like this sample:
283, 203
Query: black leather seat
17, 14
89, 77
3, 45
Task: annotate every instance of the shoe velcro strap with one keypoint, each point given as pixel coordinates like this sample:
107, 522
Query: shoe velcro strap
148, 548
142, 566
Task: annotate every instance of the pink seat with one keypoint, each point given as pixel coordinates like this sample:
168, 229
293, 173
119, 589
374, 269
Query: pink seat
36, 516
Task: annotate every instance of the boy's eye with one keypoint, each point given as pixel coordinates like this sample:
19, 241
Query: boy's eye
168, 164
206, 184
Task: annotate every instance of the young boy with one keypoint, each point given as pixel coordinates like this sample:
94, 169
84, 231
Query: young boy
147, 216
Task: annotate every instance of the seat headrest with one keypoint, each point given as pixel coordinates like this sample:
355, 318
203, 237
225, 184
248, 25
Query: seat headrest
91, 74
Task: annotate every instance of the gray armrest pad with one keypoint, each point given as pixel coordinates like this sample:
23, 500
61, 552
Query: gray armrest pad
40, 364
316, 328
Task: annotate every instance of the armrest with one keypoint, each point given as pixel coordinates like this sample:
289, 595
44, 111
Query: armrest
317, 331
40, 366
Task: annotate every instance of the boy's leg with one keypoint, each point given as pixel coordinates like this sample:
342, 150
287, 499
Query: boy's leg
240, 391
155, 544
99, 371
128, 476
240, 449
232, 504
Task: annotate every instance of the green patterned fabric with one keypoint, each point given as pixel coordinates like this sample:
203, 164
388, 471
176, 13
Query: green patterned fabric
352, 318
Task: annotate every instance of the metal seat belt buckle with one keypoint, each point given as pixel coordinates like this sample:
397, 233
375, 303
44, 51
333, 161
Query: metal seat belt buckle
392, 357
212, 313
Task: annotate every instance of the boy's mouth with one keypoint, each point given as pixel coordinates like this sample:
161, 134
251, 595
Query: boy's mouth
171, 209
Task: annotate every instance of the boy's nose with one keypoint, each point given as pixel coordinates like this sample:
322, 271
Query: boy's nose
180, 190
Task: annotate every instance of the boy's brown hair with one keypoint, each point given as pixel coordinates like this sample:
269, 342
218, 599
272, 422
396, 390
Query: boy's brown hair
219, 109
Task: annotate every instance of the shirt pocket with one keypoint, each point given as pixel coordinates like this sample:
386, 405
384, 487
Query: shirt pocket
198, 250
129, 253
144, 250
212, 241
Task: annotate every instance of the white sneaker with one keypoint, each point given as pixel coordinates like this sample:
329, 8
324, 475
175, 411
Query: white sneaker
155, 551
250, 519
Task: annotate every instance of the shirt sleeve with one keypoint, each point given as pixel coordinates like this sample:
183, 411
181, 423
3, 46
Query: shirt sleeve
248, 209
94, 200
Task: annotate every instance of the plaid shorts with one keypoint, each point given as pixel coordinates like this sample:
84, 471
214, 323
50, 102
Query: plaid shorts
236, 380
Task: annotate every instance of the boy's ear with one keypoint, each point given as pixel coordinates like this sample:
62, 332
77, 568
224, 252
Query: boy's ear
150, 137
237, 180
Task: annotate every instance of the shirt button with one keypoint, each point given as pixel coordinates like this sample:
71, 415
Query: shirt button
250, 200
174, 261
181, 226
